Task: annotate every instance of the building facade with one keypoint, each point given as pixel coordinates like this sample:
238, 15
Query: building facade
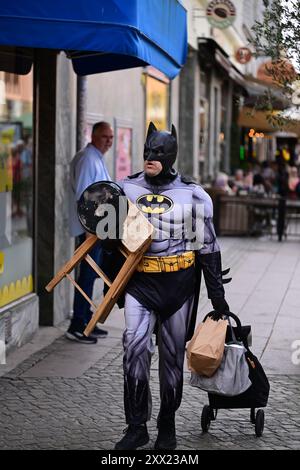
129, 100
37, 141
45, 117
213, 84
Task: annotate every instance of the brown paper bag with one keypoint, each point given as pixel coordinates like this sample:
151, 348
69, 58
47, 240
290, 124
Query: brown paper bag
206, 348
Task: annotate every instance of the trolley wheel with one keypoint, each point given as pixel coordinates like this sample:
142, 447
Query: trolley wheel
205, 418
259, 422
252, 415
213, 414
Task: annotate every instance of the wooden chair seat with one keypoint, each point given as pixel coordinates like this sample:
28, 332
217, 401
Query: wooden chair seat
137, 237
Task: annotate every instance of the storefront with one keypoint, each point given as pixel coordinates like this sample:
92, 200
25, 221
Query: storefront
256, 146
37, 131
261, 140
18, 302
218, 83
16, 187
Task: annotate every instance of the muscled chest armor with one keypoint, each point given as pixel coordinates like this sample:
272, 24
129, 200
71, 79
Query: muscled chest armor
169, 208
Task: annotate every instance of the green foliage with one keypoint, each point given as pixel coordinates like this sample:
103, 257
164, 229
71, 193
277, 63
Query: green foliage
277, 36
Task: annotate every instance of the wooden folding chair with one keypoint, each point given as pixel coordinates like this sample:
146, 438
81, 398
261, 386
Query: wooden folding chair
137, 237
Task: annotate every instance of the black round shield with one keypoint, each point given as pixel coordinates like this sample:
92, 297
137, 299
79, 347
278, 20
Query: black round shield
103, 202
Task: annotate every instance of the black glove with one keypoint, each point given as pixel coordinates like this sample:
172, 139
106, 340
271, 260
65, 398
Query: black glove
220, 306
212, 269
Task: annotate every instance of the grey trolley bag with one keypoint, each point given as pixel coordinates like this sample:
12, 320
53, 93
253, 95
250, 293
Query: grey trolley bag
256, 396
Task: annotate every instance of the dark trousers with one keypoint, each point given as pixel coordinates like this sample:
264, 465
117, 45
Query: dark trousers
82, 313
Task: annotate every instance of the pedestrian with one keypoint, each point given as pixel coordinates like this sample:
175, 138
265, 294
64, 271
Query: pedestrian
221, 184
282, 178
293, 181
87, 167
162, 294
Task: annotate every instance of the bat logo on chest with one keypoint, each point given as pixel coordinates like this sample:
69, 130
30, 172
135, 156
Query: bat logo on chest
154, 203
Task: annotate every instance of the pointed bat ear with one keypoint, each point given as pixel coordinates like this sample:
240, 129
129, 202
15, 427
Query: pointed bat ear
173, 132
151, 129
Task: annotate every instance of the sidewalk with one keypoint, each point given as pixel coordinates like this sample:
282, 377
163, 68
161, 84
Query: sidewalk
69, 396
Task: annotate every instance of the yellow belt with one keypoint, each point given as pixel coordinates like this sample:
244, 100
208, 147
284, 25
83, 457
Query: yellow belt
167, 264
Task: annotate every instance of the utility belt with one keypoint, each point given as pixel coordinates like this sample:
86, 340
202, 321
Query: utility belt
166, 264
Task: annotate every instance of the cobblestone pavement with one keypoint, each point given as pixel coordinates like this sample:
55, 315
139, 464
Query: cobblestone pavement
39, 410
87, 412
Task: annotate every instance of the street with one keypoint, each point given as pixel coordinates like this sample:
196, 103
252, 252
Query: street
59, 395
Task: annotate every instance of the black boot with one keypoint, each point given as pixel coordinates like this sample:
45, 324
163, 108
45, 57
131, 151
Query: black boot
136, 435
166, 438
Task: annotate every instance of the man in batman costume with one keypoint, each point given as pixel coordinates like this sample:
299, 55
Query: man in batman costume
163, 293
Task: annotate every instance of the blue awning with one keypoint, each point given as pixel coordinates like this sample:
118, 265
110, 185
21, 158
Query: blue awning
101, 35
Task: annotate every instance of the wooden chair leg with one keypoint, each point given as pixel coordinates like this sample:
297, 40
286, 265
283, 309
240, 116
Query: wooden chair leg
116, 288
81, 291
79, 254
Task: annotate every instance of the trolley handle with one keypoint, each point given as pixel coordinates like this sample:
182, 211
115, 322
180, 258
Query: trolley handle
228, 314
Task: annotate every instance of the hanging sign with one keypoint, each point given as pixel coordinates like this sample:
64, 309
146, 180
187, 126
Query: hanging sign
243, 55
221, 13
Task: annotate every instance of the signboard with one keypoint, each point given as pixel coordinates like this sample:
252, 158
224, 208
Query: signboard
243, 55
221, 13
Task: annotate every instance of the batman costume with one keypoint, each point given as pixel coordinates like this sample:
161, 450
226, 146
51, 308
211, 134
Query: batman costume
163, 293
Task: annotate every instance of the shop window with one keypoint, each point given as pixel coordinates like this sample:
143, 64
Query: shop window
157, 99
16, 187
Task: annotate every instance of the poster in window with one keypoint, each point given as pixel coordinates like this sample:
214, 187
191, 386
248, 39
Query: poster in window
123, 152
88, 133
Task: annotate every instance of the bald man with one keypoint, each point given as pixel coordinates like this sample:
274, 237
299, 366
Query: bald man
87, 167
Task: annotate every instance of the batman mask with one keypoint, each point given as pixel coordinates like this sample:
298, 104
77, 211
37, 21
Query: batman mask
161, 146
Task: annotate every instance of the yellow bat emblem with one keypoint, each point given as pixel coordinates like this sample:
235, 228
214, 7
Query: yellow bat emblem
154, 203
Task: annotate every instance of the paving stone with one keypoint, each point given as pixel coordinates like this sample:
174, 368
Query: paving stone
85, 411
